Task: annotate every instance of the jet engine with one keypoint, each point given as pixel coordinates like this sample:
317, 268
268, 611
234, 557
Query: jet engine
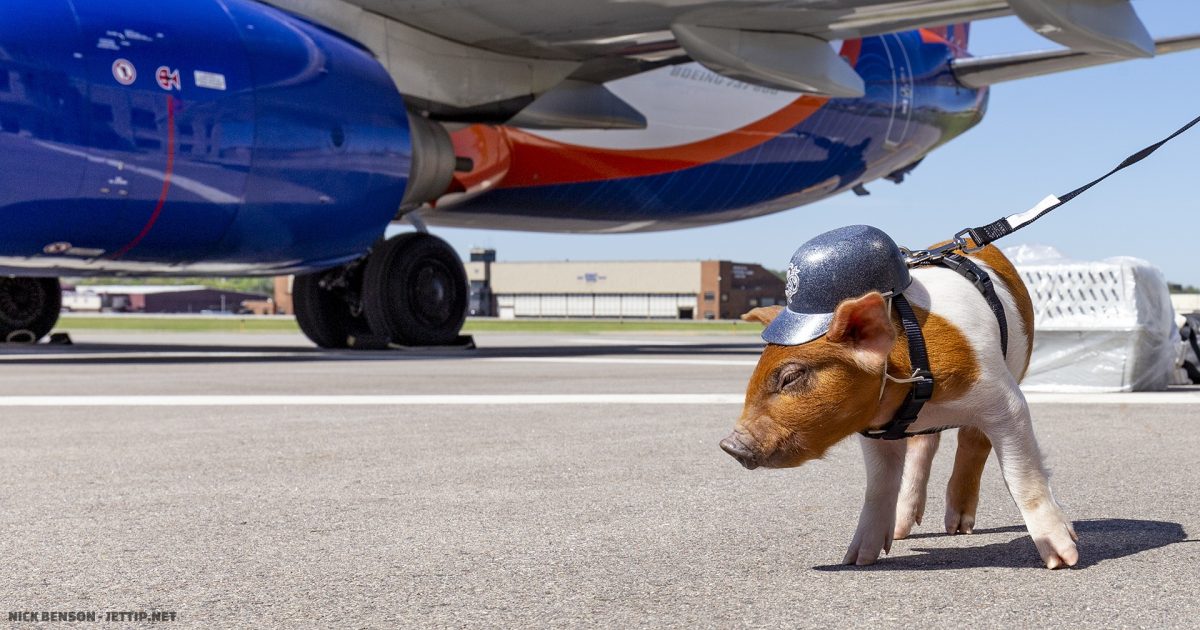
215, 137
192, 136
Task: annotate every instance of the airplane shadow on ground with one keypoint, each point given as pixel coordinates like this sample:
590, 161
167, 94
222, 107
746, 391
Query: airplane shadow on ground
1099, 540
134, 353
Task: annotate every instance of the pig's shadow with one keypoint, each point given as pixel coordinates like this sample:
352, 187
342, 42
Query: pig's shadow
1099, 540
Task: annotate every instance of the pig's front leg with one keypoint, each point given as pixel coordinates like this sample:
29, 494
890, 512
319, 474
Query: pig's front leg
876, 523
913, 490
1028, 482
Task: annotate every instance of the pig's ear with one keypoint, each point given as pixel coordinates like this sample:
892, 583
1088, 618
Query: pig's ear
763, 315
865, 325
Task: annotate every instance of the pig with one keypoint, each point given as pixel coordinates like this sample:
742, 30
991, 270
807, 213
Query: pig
803, 399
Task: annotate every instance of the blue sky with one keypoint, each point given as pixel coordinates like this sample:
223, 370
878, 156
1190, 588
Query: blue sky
1040, 136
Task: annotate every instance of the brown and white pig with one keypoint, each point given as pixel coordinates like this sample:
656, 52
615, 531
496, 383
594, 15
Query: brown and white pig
805, 398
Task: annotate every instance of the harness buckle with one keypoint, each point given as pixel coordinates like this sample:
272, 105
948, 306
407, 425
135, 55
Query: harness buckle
922, 390
965, 268
914, 258
983, 282
922, 256
960, 237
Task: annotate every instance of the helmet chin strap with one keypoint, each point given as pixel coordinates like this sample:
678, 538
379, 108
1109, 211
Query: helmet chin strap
922, 379
888, 377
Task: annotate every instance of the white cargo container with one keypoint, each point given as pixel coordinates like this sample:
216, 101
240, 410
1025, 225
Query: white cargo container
1105, 326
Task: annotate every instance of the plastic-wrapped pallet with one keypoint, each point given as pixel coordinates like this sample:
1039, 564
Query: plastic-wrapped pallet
1104, 326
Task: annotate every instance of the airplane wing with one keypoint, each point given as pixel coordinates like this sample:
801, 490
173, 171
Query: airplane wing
978, 72
488, 60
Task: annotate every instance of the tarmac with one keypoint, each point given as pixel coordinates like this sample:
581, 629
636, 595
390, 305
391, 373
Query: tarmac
539, 481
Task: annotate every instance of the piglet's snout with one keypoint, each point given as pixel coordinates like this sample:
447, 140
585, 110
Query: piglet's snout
739, 451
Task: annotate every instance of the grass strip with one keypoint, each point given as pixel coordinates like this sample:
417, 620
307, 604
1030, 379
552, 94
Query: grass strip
70, 323
279, 325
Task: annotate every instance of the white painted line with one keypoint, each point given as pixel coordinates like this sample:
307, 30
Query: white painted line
372, 401
1189, 397
491, 400
587, 341
132, 356
617, 361
143, 356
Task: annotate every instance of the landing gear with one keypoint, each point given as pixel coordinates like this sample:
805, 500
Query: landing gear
329, 307
411, 291
29, 308
415, 290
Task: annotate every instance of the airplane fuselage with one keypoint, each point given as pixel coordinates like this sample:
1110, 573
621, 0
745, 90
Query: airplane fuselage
230, 138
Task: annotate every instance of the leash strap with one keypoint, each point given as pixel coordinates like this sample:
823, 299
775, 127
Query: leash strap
922, 388
975, 274
986, 234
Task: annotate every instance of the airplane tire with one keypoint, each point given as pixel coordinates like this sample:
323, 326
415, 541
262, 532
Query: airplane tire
325, 315
29, 308
415, 290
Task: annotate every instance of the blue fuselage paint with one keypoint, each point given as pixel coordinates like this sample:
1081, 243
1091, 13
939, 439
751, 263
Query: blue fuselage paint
205, 136
290, 147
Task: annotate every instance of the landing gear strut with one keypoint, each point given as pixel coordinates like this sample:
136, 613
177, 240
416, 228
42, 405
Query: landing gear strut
328, 305
29, 308
411, 291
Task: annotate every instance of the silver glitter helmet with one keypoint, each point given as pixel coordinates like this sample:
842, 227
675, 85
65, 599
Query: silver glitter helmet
840, 264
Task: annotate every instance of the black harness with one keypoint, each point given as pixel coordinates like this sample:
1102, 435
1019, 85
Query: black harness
922, 388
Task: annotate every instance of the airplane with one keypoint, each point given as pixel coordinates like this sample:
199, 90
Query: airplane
238, 137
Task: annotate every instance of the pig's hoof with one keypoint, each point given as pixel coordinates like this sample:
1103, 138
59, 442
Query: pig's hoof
867, 547
904, 527
908, 516
861, 557
1057, 547
958, 523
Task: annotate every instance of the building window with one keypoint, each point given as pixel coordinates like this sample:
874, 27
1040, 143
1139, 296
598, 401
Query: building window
709, 315
708, 296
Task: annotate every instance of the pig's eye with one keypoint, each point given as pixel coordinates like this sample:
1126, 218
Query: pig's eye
792, 376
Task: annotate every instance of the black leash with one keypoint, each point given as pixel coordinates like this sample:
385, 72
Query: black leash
999, 229
987, 234
947, 256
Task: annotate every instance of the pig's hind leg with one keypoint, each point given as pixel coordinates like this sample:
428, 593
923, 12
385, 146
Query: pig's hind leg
910, 507
962, 493
876, 523
1027, 480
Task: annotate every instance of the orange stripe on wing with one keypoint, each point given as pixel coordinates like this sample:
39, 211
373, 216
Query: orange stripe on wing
513, 158
538, 161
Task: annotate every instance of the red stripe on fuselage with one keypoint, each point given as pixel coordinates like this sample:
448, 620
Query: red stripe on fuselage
166, 187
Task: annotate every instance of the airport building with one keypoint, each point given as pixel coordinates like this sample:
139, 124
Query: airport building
705, 289
157, 299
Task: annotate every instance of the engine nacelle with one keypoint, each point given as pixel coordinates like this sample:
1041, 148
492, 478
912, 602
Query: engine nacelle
199, 136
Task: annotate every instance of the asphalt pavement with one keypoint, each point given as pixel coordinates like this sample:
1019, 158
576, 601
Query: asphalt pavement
251, 481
